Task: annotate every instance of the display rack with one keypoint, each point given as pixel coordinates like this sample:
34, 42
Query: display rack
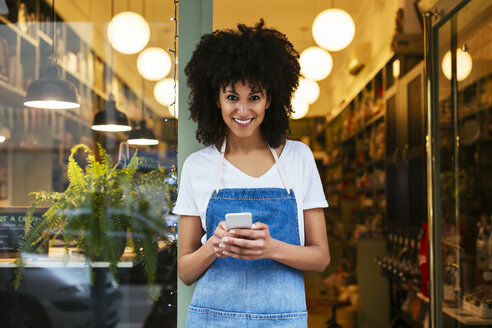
354, 143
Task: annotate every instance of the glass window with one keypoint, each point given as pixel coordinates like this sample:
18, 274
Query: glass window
86, 234
465, 105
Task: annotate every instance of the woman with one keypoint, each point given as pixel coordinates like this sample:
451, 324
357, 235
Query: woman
241, 85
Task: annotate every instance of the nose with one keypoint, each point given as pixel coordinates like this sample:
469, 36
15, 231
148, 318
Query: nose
243, 109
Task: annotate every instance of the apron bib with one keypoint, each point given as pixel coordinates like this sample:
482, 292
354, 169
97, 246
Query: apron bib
251, 293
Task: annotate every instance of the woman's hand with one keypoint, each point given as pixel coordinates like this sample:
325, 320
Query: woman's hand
248, 244
220, 233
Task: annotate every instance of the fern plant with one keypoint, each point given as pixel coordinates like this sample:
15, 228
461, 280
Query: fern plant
102, 205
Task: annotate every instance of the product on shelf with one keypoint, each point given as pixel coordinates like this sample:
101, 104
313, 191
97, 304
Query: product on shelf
478, 301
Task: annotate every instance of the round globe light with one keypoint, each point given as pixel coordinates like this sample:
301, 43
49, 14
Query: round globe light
316, 63
333, 29
396, 68
164, 91
308, 91
464, 64
128, 32
299, 108
154, 63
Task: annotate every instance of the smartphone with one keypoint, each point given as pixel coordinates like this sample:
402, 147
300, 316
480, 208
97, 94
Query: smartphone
239, 220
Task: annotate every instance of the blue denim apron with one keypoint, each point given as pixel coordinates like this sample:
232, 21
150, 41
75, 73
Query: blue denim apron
251, 293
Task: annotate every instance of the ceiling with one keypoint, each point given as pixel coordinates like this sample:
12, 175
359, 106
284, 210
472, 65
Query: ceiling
374, 21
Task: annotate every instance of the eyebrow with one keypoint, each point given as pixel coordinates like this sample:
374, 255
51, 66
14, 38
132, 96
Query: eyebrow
251, 93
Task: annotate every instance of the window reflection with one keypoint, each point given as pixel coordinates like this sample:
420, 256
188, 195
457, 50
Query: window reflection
59, 288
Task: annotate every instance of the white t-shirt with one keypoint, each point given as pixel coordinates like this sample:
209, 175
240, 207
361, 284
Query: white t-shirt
199, 179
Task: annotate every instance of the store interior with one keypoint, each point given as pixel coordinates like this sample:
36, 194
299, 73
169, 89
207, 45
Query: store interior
362, 109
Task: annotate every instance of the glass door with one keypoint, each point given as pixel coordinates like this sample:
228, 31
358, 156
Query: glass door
461, 158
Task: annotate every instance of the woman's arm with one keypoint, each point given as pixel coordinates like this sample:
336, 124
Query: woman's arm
194, 258
258, 244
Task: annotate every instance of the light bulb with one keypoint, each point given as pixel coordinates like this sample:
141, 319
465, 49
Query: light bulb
111, 128
396, 68
143, 142
128, 32
154, 63
333, 29
464, 64
164, 91
51, 104
316, 63
308, 91
299, 108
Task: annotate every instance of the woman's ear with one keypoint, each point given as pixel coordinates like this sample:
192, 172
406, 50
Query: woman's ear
217, 101
269, 101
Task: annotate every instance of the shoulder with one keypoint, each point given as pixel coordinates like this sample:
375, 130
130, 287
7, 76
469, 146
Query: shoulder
297, 148
202, 158
204, 154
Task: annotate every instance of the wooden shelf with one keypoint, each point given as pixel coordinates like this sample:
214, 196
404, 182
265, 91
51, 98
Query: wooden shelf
8, 91
46, 38
461, 315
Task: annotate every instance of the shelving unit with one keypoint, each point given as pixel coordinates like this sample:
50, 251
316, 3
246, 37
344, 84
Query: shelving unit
354, 142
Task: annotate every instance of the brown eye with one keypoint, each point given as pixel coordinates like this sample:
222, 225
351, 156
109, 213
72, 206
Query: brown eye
231, 97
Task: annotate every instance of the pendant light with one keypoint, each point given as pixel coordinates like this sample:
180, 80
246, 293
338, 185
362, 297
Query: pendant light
154, 63
164, 92
128, 32
142, 136
111, 119
308, 91
316, 63
51, 92
464, 64
299, 109
333, 29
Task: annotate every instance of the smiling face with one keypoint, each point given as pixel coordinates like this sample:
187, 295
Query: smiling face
243, 108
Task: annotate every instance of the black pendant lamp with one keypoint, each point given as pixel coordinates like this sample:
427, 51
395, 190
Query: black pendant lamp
51, 92
111, 119
142, 136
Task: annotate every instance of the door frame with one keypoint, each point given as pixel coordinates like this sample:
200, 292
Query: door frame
438, 15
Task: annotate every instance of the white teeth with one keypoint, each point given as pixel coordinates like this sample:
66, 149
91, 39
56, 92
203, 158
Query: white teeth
243, 122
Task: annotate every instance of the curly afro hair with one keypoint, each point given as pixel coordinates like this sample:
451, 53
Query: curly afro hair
263, 57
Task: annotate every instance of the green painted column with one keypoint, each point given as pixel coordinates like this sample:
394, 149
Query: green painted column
194, 20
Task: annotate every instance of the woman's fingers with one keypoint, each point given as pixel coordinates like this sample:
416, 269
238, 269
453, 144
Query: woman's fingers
257, 231
246, 244
241, 243
219, 233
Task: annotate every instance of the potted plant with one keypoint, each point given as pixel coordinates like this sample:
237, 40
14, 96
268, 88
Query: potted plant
103, 205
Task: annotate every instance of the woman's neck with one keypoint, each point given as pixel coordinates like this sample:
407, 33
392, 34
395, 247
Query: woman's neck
245, 145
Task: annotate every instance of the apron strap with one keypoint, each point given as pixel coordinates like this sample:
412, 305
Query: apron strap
221, 159
280, 171
275, 156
